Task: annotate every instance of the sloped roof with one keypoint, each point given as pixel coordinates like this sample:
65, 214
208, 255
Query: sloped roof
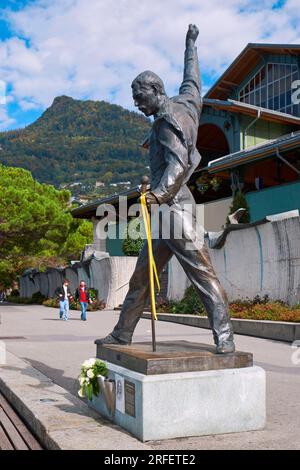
244, 64
251, 110
256, 152
88, 211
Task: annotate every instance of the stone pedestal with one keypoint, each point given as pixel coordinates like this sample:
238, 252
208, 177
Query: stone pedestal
182, 390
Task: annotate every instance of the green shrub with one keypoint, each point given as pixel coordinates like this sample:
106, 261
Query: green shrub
190, 304
132, 247
93, 293
18, 300
75, 304
264, 310
240, 201
54, 303
36, 299
15, 293
258, 308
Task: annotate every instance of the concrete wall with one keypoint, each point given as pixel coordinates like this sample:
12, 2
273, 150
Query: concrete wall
122, 268
215, 214
259, 260
109, 275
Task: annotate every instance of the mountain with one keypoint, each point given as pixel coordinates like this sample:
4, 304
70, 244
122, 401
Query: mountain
79, 142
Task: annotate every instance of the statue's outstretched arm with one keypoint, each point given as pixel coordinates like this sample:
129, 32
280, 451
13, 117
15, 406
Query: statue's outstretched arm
191, 84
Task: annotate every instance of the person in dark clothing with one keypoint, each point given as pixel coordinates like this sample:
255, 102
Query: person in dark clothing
64, 296
82, 294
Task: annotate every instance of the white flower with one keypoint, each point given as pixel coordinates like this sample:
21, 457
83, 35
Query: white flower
81, 380
89, 362
90, 374
80, 393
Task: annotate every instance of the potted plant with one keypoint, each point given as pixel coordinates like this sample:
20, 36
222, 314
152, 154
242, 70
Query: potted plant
203, 183
215, 183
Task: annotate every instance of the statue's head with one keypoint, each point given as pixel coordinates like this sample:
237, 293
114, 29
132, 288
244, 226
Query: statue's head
147, 91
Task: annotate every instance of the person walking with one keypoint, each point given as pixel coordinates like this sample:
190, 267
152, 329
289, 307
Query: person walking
82, 294
64, 295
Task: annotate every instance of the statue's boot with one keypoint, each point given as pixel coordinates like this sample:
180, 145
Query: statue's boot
110, 339
225, 347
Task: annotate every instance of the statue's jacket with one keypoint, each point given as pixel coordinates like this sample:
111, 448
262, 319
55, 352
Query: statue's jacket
172, 143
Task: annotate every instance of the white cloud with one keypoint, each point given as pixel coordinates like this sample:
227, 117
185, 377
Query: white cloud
5, 120
94, 49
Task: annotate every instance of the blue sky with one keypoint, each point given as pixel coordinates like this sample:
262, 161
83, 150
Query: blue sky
93, 49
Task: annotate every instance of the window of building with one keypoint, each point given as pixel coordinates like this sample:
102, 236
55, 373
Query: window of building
271, 88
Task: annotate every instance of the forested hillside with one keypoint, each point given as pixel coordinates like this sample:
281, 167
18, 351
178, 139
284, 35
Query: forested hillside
79, 141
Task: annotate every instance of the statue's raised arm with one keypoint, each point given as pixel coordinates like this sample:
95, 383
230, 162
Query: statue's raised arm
191, 84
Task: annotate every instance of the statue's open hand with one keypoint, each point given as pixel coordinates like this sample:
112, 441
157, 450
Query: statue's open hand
192, 33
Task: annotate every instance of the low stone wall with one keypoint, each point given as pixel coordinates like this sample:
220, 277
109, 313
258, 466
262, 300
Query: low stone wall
262, 259
109, 275
276, 330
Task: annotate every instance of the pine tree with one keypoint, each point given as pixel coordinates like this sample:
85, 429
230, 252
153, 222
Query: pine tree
36, 225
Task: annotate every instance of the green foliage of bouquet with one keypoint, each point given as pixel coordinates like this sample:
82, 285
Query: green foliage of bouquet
90, 370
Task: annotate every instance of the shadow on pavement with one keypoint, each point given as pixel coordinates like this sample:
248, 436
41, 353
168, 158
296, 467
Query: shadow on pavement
57, 375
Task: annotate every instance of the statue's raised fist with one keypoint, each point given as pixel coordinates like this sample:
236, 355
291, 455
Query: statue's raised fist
192, 33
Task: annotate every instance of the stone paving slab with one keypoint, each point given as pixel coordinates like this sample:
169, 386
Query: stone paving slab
56, 417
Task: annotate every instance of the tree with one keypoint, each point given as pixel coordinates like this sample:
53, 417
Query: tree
107, 177
240, 201
81, 233
35, 224
132, 246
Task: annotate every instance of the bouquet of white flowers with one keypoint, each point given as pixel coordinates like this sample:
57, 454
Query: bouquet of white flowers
90, 370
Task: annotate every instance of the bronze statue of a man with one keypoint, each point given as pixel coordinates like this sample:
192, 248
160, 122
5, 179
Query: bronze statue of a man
173, 158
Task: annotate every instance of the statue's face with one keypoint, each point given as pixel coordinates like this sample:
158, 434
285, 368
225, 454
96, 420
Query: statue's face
145, 99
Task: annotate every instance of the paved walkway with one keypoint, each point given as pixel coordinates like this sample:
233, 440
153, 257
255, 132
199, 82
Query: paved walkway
57, 349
